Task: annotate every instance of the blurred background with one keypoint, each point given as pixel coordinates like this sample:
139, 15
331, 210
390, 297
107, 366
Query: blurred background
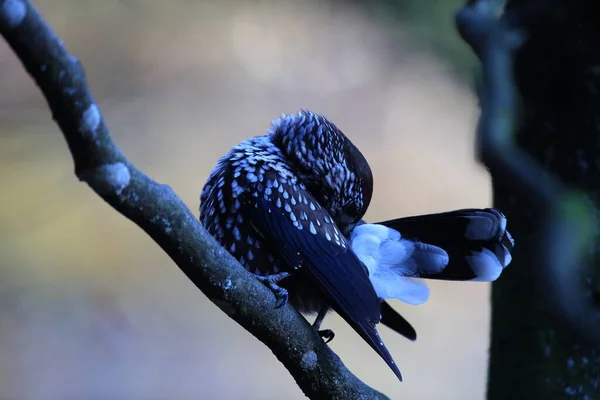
91, 308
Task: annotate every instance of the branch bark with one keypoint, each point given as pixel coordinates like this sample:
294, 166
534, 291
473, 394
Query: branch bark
545, 315
164, 217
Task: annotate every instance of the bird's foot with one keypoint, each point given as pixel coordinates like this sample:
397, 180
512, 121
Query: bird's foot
271, 281
327, 335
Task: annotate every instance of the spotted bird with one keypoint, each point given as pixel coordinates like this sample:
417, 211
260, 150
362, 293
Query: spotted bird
288, 205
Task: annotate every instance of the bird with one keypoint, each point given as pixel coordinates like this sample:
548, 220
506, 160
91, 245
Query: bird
460, 245
289, 206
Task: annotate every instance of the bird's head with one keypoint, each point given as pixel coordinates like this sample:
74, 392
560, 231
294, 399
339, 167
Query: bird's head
327, 162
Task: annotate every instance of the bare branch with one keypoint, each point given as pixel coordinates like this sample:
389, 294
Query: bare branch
157, 210
567, 236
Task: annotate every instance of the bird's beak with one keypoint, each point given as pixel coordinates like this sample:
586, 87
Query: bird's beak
347, 223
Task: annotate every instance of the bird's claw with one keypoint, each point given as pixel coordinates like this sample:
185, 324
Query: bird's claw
271, 281
327, 335
281, 296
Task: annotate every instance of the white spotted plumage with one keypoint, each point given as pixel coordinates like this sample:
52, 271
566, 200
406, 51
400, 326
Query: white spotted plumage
301, 172
289, 200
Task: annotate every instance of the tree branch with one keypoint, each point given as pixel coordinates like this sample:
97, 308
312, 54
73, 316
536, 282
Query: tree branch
164, 217
567, 237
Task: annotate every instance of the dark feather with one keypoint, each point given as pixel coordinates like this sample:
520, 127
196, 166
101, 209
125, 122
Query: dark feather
461, 234
396, 322
332, 267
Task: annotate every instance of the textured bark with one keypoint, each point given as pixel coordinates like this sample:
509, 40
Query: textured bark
545, 312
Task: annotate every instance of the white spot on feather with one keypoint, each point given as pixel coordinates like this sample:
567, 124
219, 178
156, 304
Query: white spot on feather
236, 233
485, 265
251, 177
391, 261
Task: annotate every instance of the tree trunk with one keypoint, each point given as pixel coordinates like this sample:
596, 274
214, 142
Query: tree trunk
557, 70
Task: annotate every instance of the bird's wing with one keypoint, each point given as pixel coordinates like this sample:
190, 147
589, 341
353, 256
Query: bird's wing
306, 238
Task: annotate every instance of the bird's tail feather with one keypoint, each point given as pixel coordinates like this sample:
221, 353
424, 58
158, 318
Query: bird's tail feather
393, 261
476, 241
396, 322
